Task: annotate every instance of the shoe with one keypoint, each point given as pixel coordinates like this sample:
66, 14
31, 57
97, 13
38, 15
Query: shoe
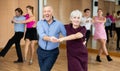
1, 55
18, 61
107, 41
31, 62
98, 58
109, 58
117, 49
25, 60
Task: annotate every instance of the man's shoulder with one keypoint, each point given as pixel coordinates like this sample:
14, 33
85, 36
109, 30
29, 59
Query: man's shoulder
57, 21
41, 21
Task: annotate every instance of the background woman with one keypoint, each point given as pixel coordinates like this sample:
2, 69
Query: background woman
100, 34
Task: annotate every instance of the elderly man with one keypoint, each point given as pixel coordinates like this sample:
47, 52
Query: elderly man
48, 30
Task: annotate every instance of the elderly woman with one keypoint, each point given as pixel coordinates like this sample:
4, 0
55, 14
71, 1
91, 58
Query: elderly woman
77, 54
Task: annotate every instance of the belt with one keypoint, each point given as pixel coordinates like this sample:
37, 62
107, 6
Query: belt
48, 50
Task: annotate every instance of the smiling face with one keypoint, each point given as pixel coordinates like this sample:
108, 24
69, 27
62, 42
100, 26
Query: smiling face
75, 20
87, 13
17, 13
75, 17
48, 13
29, 11
100, 13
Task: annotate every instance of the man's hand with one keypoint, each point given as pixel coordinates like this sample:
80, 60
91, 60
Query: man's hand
61, 39
53, 39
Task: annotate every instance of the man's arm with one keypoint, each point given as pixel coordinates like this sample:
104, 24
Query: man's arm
42, 34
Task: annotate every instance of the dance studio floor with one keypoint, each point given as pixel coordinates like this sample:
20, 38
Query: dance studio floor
6, 63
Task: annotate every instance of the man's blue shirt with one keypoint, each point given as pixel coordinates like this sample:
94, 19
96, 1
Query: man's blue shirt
19, 27
53, 29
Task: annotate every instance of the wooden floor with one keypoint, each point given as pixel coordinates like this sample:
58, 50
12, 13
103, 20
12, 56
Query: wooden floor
6, 63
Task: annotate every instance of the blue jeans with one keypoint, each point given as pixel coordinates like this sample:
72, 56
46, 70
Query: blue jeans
47, 58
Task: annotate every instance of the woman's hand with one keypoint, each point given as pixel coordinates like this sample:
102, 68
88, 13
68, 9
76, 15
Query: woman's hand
61, 39
53, 39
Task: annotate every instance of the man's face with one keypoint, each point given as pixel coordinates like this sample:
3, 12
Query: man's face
17, 13
87, 13
47, 13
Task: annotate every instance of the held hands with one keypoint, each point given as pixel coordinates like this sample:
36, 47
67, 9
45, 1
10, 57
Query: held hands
61, 39
55, 40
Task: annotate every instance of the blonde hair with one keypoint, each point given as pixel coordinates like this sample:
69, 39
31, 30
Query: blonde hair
76, 13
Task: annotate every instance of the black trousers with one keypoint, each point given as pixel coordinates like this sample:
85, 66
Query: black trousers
118, 36
47, 58
14, 40
108, 29
87, 36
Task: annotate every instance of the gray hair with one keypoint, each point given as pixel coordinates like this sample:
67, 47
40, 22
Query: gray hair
76, 13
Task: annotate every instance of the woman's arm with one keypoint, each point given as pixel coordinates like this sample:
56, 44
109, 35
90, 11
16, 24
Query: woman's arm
93, 20
25, 21
71, 37
103, 20
29, 20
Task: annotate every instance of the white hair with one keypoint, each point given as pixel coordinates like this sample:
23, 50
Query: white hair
76, 13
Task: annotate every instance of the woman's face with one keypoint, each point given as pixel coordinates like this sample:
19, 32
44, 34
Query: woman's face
28, 10
100, 12
75, 21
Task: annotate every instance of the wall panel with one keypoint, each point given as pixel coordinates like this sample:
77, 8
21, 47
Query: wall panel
6, 14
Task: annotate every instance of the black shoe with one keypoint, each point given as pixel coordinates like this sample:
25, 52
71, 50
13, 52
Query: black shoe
98, 58
117, 49
18, 61
107, 41
109, 58
1, 55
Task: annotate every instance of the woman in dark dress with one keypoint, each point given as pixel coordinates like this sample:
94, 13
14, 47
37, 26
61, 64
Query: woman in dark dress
77, 53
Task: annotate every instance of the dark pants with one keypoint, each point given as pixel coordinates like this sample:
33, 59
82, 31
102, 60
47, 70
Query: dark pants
47, 58
118, 36
15, 39
107, 29
87, 36
112, 29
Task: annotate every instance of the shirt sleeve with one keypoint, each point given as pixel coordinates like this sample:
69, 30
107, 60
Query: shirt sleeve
40, 30
82, 21
63, 31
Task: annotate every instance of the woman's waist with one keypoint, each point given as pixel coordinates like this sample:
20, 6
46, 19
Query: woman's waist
32, 28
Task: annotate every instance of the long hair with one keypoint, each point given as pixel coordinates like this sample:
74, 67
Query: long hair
31, 8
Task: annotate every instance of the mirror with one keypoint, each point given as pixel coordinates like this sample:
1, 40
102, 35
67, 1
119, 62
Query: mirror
112, 7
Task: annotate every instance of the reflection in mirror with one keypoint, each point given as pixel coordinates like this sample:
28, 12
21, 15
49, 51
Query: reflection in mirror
110, 7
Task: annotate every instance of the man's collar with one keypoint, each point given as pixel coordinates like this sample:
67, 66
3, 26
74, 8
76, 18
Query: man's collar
52, 19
